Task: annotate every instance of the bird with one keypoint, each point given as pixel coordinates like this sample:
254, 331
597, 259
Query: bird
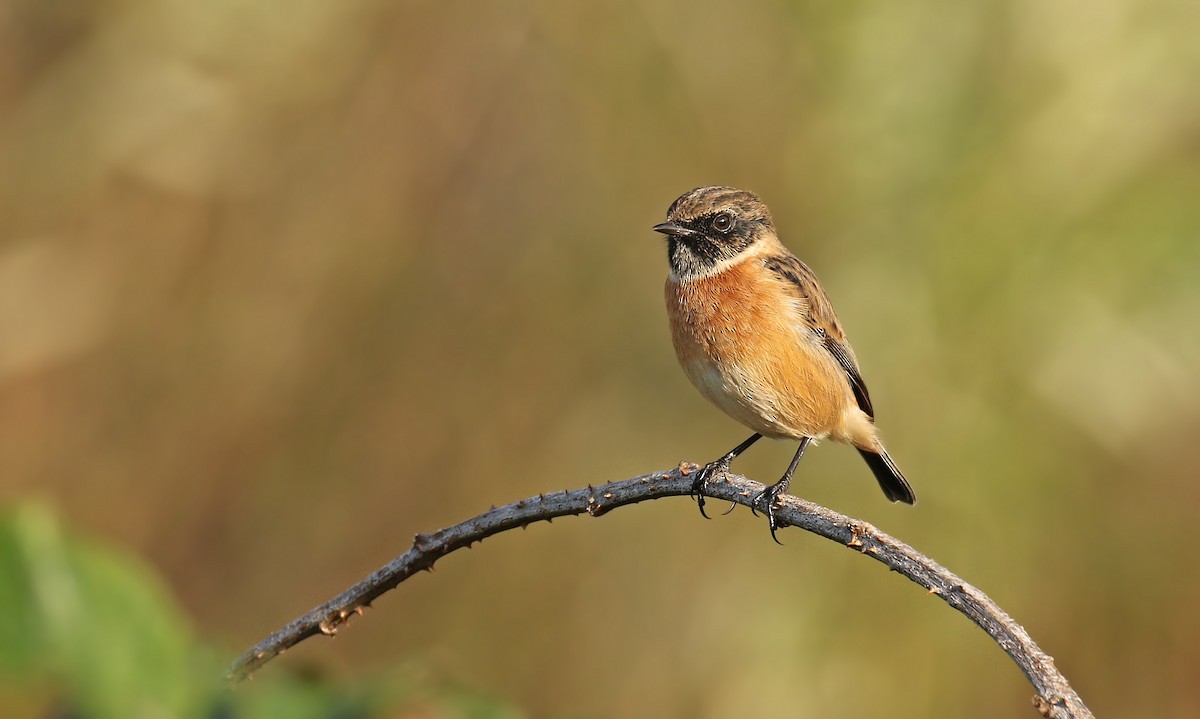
755, 332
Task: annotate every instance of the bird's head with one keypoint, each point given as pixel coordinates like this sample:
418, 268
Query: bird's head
709, 227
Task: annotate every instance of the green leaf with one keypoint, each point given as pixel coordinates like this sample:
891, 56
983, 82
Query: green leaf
94, 620
90, 632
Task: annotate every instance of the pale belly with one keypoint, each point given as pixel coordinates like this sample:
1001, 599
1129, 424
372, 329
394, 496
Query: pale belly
761, 398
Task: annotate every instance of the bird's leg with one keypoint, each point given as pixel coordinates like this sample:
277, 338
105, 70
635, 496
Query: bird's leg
771, 494
720, 466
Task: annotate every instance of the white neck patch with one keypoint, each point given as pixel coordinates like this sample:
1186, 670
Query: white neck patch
760, 247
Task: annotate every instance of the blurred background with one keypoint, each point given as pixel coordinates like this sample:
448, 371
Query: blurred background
283, 284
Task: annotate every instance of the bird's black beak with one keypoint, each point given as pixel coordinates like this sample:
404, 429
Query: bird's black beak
674, 229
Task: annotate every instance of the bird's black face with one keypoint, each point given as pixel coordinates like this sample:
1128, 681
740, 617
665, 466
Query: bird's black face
712, 225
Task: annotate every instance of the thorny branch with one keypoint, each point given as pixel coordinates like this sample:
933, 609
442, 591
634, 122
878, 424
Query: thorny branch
1055, 698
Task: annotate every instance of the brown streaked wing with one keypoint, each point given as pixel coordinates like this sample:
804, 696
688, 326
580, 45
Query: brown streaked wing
820, 316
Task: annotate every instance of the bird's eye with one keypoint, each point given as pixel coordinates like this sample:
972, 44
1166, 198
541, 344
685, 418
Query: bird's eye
723, 222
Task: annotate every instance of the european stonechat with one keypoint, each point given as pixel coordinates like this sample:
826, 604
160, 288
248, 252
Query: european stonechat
756, 334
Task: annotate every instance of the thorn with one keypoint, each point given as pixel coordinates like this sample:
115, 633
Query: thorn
1046, 708
590, 488
855, 536
342, 613
541, 497
360, 610
871, 550
327, 628
934, 590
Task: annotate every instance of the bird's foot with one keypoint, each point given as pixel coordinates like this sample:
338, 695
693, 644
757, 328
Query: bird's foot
707, 473
770, 496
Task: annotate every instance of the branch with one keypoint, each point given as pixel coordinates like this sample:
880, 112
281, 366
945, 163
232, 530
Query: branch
1055, 698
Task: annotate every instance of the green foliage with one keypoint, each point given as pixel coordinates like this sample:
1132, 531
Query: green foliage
92, 620
90, 631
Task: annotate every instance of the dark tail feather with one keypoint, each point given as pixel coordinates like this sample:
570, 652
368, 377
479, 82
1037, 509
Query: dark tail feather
893, 484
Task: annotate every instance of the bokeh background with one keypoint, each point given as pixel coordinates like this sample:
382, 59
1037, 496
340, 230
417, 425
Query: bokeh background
282, 284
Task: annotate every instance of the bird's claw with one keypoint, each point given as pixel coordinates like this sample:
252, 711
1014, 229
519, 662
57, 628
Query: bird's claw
771, 495
706, 473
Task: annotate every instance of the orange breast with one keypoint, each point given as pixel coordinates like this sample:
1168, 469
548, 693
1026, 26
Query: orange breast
741, 339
